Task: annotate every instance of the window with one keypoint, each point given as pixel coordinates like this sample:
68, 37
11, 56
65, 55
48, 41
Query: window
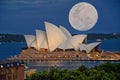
2, 72
9, 77
14, 77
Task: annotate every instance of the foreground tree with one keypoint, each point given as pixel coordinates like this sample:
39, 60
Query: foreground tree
106, 71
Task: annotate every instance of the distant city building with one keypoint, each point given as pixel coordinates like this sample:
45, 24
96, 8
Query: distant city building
10, 70
58, 38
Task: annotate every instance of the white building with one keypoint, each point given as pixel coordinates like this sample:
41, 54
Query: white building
58, 37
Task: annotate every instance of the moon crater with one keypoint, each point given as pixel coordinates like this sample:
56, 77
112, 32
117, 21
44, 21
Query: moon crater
83, 16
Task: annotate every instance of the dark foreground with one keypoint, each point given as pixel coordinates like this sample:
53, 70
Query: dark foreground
108, 71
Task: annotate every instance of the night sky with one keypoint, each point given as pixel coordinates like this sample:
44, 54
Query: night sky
25, 16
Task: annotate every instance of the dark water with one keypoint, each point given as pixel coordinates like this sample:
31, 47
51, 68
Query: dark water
8, 49
109, 45
71, 65
14, 48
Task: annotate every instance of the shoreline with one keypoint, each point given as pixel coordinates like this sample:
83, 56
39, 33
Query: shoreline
42, 60
30, 54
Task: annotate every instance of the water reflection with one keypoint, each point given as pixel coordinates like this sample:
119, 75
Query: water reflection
47, 65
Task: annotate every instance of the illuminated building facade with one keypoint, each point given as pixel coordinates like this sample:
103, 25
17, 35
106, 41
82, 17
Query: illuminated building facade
58, 38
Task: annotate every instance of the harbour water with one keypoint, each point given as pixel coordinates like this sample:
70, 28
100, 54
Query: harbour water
8, 49
109, 44
71, 65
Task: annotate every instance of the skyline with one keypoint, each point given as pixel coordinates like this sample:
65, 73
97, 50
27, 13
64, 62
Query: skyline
23, 17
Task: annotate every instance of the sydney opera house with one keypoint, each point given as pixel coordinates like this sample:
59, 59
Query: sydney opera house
56, 39
57, 43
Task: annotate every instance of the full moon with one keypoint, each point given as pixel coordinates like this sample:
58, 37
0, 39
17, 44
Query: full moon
83, 16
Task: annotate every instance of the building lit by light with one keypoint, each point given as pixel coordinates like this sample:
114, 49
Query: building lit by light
11, 70
58, 38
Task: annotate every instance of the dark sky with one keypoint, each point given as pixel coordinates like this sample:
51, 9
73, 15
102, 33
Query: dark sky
25, 16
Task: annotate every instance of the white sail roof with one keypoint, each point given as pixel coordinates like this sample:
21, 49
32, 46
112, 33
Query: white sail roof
44, 43
88, 47
65, 31
34, 44
41, 39
66, 45
54, 36
29, 39
76, 40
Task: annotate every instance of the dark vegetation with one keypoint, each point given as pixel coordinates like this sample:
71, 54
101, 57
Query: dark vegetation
103, 36
11, 38
108, 71
92, 36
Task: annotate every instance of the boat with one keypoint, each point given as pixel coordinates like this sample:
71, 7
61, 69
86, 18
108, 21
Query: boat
98, 40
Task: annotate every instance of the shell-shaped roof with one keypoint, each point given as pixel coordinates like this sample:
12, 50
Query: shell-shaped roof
44, 43
41, 39
34, 44
66, 45
89, 47
29, 39
58, 37
76, 40
65, 31
54, 36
